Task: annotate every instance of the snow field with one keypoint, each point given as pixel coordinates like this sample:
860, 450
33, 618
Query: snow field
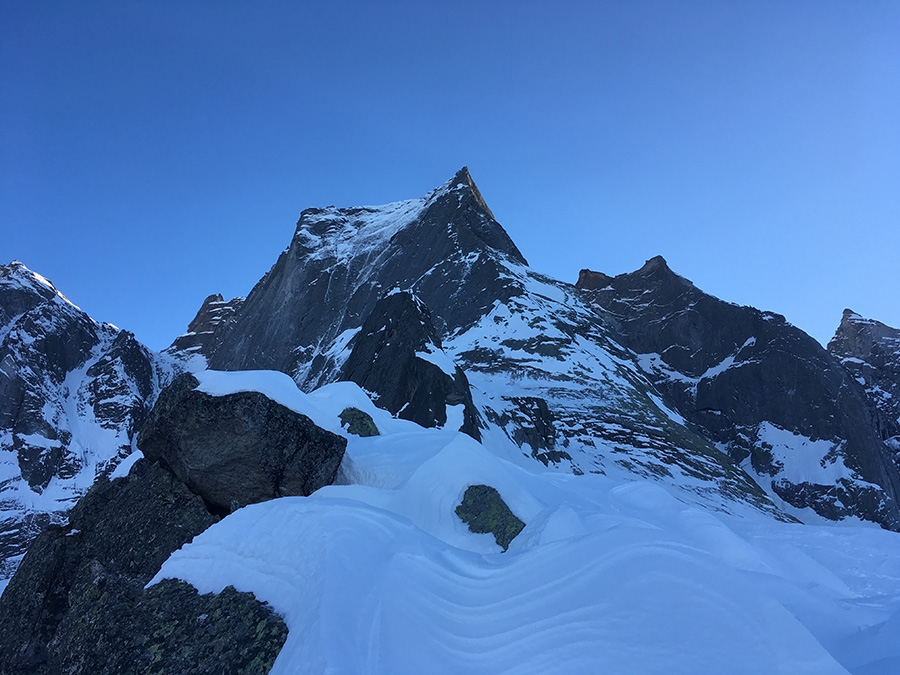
609, 575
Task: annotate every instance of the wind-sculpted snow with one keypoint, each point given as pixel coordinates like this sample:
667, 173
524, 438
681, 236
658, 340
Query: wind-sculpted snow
609, 575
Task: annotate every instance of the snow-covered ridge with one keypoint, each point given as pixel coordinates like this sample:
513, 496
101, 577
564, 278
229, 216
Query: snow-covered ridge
342, 234
17, 273
348, 232
610, 574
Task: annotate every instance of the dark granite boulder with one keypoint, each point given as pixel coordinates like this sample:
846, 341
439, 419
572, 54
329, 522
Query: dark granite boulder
358, 423
238, 449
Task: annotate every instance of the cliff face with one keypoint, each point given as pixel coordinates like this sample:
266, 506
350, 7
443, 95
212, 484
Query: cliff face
870, 351
446, 248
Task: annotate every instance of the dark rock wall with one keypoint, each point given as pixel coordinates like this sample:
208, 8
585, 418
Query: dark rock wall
207, 327
449, 257
383, 361
870, 351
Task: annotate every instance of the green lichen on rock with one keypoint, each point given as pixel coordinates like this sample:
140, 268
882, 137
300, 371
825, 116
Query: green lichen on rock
170, 628
485, 512
358, 422
78, 605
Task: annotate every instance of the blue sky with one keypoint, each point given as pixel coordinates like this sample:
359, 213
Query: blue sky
153, 153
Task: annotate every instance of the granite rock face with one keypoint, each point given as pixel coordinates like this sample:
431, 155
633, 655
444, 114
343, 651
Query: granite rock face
208, 326
73, 393
238, 449
870, 351
754, 384
447, 248
398, 357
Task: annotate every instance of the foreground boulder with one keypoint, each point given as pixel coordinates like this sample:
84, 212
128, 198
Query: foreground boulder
240, 448
77, 603
485, 512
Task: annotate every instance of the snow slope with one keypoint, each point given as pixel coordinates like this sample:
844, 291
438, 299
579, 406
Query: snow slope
610, 574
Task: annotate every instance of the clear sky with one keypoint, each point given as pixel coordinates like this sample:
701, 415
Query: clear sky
152, 153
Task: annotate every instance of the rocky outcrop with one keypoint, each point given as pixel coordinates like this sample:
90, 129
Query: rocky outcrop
208, 326
238, 449
397, 357
73, 393
170, 628
358, 423
730, 369
484, 511
77, 603
870, 351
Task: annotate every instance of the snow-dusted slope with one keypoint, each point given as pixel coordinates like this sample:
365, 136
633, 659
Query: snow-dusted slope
72, 394
612, 574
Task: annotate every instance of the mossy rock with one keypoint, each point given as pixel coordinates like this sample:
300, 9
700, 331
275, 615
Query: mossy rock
485, 512
358, 422
170, 628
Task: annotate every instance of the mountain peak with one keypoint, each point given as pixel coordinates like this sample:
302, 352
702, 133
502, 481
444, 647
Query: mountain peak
655, 263
17, 273
462, 182
589, 280
859, 337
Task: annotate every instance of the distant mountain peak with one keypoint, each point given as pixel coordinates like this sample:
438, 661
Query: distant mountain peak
589, 280
654, 264
17, 272
462, 182
860, 337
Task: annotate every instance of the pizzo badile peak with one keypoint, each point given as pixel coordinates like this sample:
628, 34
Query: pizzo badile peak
399, 439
